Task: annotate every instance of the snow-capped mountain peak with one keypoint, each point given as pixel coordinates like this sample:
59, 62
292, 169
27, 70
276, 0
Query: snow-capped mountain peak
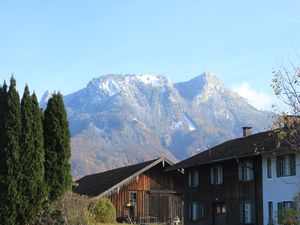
120, 119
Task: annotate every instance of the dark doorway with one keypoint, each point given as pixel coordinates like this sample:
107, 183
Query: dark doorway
219, 214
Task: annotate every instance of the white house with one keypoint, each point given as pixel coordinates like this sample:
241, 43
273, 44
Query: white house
281, 183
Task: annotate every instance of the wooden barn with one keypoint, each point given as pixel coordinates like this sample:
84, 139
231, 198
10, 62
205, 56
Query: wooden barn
142, 191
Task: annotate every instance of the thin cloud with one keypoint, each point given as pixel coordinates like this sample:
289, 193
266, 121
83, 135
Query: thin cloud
258, 99
278, 14
271, 12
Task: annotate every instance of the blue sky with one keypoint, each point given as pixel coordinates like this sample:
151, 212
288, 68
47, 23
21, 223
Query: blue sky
61, 45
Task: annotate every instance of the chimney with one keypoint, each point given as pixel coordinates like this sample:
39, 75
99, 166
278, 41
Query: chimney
247, 131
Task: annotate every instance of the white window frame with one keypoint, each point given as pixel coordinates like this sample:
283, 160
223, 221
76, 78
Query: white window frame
216, 175
286, 165
193, 179
132, 199
194, 211
247, 213
245, 171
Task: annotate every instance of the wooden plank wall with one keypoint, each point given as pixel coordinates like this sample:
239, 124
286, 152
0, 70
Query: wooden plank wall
232, 192
162, 205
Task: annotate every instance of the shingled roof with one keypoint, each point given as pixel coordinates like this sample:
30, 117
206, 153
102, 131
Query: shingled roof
104, 183
255, 144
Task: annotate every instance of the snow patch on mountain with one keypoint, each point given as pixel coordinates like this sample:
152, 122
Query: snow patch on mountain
149, 79
191, 125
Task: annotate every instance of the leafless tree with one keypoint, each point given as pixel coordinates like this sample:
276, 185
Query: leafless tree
286, 86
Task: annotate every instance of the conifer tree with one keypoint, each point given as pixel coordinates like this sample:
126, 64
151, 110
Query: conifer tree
39, 155
31, 159
10, 156
3, 140
57, 147
27, 149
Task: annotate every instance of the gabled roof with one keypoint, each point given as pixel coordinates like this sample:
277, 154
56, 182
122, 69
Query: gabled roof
254, 144
104, 183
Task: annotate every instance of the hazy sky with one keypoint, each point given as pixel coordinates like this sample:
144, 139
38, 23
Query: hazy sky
61, 45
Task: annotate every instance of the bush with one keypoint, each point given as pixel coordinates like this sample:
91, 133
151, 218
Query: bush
104, 211
70, 209
290, 217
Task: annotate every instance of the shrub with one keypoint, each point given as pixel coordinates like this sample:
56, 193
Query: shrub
70, 209
104, 211
290, 217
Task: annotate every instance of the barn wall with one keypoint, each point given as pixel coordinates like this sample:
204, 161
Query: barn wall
159, 194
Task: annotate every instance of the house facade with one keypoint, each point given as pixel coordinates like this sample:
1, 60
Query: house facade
224, 192
144, 192
242, 181
281, 184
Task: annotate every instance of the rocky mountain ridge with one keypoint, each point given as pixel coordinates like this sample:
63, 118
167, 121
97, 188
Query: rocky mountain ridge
117, 120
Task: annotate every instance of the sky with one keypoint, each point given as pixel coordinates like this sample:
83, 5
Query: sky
61, 45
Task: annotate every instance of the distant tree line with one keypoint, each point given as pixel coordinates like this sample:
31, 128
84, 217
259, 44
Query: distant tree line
34, 154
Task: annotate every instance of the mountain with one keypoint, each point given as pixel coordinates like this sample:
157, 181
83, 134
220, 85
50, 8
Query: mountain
117, 120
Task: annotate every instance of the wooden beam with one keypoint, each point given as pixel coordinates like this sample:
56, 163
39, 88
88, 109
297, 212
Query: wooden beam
165, 192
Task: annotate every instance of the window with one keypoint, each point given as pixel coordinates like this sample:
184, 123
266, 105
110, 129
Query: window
246, 171
216, 175
286, 165
270, 210
132, 198
247, 213
220, 208
283, 206
193, 178
196, 211
269, 167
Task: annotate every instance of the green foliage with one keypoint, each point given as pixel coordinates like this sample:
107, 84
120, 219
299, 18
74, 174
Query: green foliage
32, 187
10, 154
70, 209
290, 217
104, 211
57, 147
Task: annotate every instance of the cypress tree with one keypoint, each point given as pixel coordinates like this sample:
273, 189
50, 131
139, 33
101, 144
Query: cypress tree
38, 168
10, 174
31, 159
57, 147
3, 166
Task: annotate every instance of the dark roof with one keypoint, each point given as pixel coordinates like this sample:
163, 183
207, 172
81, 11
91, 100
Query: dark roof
254, 144
100, 183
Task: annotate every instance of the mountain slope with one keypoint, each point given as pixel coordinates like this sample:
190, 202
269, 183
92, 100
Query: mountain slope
121, 119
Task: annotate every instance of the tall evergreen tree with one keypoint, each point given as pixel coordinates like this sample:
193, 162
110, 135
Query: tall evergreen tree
3, 165
10, 156
31, 159
39, 155
57, 147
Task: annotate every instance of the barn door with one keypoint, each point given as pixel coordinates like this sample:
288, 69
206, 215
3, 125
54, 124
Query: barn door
159, 207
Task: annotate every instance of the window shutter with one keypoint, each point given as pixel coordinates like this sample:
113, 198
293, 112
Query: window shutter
242, 213
240, 170
197, 211
190, 179
190, 211
292, 165
201, 211
220, 175
251, 171
212, 175
253, 220
280, 210
278, 166
196, 177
